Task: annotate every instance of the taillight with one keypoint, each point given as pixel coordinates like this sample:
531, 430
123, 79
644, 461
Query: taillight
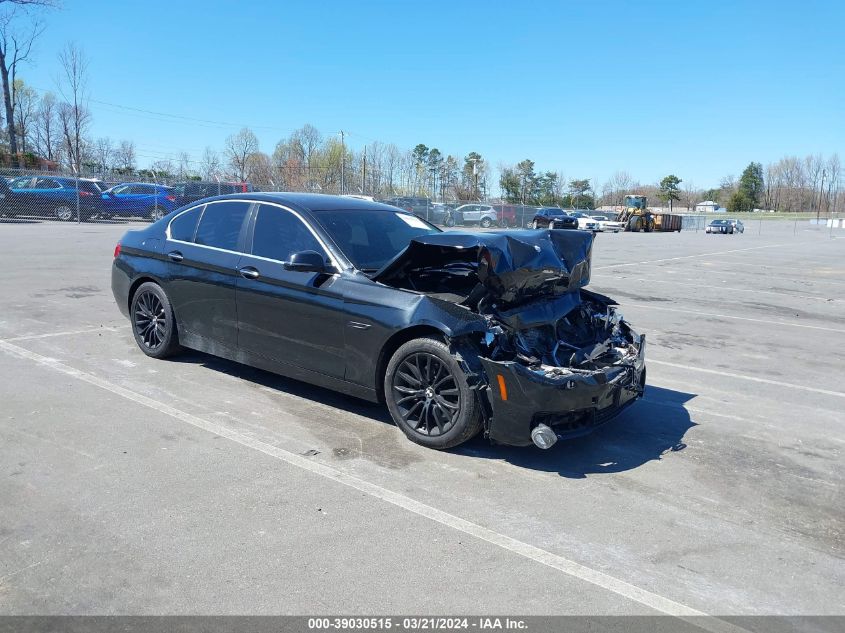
170, 198
85, 194
117, 250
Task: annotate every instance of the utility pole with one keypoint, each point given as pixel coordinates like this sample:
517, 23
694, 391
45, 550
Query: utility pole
364, 174
342, 162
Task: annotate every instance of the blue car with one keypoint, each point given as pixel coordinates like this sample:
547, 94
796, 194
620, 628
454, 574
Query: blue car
54, 197
138, 199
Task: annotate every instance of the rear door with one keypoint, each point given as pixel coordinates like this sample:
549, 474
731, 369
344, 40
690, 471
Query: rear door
202, 252
290, 317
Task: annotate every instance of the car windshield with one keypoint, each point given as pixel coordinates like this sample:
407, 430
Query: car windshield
371, 237
718, 222
555, 212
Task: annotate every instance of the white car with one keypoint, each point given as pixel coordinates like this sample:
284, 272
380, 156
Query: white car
585, 222
611, 226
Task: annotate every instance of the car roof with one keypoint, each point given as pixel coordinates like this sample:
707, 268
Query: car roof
310, 201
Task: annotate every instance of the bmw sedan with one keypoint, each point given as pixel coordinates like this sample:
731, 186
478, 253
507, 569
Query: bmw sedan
457, 333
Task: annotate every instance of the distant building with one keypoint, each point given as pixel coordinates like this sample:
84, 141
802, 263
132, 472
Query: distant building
708, 206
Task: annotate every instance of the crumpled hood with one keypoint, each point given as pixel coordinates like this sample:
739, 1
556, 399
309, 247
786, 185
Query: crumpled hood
513, 266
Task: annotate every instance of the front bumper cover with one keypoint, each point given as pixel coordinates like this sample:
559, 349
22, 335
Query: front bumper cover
572, 404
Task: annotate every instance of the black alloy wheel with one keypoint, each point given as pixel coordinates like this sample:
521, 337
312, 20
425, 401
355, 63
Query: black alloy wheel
428, 395
153, 323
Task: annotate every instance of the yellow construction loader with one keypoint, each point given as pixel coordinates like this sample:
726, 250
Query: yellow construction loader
637, 217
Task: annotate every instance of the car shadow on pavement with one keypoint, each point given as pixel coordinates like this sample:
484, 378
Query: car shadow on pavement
286, 385
644, 432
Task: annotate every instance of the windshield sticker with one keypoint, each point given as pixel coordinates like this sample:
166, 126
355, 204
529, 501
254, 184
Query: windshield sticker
412, 220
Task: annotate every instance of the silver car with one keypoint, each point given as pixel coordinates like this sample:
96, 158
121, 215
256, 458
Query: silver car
482, 214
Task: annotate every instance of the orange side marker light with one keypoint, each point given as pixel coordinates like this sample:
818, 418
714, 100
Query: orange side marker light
503, 388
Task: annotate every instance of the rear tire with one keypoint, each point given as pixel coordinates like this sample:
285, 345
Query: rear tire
485, 223
534, 225
428, 397
157, 213
153, 321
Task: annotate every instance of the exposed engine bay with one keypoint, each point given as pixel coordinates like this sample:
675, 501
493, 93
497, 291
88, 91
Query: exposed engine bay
529, 287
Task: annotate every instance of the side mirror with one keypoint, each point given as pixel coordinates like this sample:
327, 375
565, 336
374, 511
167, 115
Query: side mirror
306, 262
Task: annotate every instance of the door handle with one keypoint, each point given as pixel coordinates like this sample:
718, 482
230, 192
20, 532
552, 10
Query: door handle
249, 272
175, 256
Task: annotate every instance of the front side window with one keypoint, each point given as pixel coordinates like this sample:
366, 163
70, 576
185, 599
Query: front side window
46, 183
279, 233
184, 225
220, 225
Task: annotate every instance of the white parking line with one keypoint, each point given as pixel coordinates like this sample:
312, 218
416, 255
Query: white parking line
728, 316
765, 381
31, 337
531, 552
672, 259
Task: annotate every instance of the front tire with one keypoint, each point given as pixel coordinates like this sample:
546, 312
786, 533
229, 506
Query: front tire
428, 396
153, 321
65, 213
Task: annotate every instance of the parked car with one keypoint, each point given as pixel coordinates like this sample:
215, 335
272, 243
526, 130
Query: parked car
484, 215
442, 213
138, 199
6, 199
553, 218
738, 226
609, 225
55, 196
720, 226
585, 221
421, 207
362, 298
506, 215
193, 190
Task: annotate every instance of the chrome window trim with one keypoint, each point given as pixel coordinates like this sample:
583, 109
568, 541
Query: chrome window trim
326, 250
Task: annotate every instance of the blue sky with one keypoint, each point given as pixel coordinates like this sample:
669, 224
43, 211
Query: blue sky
698, 89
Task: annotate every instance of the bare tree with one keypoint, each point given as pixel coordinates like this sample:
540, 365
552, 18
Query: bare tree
184, 169
47, 136
239, 148
103, 153
210, 164
73, 114
124, 157
15, 47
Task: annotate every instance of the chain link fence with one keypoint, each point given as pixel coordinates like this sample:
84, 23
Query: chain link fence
31, 195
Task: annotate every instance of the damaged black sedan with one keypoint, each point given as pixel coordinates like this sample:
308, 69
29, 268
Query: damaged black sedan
458, 333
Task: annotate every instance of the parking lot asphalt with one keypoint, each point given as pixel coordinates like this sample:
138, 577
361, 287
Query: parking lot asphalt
135, 486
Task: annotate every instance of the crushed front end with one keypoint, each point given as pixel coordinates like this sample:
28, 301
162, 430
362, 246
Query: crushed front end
553, 357
570, 372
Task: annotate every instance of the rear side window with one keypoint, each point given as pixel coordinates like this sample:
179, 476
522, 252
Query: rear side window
279, 233
184, 225
221, 224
